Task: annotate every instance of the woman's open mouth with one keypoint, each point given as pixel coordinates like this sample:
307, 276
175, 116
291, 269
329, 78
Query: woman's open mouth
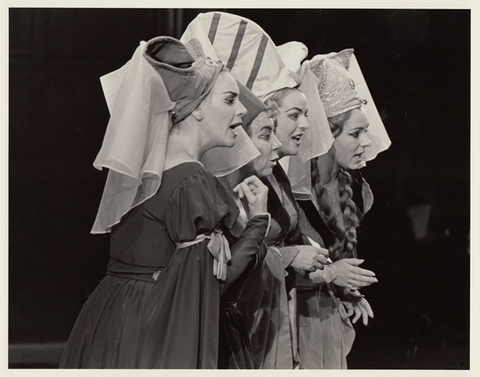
359, 156
233, 126
298, 138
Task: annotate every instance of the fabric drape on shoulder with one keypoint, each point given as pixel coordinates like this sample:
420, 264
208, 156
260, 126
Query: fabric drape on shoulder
182, 328
172, 319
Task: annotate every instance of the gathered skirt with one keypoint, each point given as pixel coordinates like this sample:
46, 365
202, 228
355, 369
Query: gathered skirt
168, 323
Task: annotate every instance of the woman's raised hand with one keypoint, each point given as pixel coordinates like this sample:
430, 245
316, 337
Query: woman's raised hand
349, 275
256, 194
309, 258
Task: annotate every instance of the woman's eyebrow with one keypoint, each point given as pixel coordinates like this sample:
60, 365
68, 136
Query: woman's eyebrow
267, 126
295, 108
231, 92
360, 128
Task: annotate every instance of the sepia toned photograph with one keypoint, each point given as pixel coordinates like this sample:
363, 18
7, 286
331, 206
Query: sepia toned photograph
239, 188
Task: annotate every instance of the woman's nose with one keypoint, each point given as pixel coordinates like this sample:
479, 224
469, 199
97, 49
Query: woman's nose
276, 143
304, 123
241, 110
366, 142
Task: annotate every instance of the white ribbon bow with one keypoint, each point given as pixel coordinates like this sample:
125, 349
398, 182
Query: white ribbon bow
218, 247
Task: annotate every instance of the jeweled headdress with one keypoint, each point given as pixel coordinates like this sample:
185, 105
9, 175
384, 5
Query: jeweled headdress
336, 87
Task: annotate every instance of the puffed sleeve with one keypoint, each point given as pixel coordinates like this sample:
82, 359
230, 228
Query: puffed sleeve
182, 329
248, 250
199, 204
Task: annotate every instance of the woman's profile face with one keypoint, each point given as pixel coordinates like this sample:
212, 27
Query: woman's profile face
352, 142
292, 122
262, 133
222, 112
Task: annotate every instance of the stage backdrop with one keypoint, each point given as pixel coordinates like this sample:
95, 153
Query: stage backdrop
417, 65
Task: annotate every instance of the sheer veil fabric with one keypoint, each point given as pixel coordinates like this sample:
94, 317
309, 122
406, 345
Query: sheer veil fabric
136, 139
299, 166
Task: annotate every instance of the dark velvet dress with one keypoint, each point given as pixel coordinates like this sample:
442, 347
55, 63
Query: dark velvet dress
266, 300
326, 334
234, 342
158, 306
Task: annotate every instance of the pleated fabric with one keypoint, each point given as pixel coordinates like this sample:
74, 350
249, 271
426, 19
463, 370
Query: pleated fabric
159, 306
325, 333
264, 303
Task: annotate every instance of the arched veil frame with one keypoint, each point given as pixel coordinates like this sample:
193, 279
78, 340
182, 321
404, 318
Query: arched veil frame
136, 139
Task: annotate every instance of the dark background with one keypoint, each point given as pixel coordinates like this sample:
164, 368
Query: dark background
417, 66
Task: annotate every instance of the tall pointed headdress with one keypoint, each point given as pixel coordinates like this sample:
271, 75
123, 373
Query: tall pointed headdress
254, 60
342, 87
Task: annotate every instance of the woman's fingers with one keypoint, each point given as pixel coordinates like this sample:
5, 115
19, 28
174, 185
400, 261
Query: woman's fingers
361, 309
247, 192
367, 307
363, 271
355, 293
253, 182
363, 280
250, 188
358, 314
323, 251
367, 311
353, 261
322, 259
365, 317
238, 190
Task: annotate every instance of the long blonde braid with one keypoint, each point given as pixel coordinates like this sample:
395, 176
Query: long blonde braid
345, 231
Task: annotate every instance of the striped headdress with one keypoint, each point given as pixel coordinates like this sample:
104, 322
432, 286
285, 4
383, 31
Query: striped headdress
245, 49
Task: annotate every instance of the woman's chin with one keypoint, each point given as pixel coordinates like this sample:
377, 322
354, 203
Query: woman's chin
288, 150
265, 173
228, 142
357, 165
292, 151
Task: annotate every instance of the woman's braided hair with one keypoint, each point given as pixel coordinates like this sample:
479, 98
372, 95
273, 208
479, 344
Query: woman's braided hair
345, 231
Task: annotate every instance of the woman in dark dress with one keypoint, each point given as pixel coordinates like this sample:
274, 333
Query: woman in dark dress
234, 346
169, 218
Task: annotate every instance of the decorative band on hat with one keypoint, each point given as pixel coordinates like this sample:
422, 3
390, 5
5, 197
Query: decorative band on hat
188, 81
336, 87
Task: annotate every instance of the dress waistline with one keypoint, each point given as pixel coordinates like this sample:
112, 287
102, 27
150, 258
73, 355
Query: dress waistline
127, 271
